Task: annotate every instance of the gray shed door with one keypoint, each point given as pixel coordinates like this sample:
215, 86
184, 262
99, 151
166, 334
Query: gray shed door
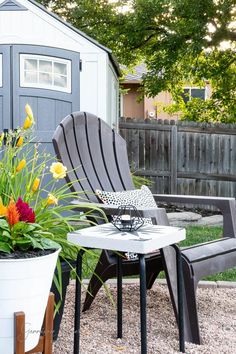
46, 78
5, 115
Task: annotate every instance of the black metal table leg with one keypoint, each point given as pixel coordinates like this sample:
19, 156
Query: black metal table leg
119, 297
180, 291
78, 301
143, 303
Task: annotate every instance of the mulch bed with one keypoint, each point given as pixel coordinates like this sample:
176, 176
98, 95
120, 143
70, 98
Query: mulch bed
217, 318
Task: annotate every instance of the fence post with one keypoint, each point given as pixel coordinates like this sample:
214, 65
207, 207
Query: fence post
173, 160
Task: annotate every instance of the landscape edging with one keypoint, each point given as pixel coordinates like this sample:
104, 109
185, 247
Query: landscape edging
202, 283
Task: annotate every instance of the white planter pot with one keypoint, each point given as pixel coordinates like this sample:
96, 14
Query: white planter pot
24, 286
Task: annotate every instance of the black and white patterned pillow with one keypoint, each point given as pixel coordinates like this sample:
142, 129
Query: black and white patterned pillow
138, 197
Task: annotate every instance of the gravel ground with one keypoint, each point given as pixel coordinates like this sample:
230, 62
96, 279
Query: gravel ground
217, 317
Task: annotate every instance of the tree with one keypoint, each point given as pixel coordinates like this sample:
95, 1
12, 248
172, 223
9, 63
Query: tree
179, 40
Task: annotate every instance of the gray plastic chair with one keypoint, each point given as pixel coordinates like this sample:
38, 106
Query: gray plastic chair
96, 158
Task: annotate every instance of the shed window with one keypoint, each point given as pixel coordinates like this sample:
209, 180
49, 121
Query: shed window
45, 72
193, 92
0, 70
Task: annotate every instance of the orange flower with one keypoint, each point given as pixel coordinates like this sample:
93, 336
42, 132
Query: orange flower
20, 165
20, 141
35, 184
13, 216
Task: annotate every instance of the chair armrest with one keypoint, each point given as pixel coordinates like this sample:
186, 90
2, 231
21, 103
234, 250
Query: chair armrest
158, 214
225, 205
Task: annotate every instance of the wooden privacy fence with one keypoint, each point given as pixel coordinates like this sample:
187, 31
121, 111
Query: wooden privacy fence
183, 157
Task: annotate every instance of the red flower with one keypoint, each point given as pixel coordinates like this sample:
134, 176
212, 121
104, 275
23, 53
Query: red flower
26, 213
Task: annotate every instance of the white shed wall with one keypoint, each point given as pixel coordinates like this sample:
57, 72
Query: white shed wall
93, 93
113, 98
36, 27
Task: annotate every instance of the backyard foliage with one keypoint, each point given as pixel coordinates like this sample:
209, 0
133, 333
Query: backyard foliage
179, 40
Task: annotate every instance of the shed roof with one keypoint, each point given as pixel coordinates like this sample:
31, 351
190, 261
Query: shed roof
109, 51
136, 74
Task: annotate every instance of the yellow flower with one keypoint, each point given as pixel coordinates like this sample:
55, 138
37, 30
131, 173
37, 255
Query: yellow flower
52, 199
27, 123
35, 184
1, 138
29, 120
29, 112
20, 141
58, 170
20, 165
3, 209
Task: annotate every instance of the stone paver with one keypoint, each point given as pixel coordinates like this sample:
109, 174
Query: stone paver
214, 220
207, 284
189, 218
202, 283
184, 216
226, 284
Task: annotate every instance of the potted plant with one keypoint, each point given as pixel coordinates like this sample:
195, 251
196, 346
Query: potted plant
33, 229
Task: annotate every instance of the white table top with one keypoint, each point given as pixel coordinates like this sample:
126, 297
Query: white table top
147, 239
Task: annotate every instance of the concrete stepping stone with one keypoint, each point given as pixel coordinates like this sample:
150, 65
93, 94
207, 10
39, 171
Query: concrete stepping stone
190, 218
213, 220
183, 218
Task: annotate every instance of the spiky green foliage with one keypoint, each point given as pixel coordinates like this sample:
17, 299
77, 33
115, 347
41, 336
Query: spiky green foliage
34, 213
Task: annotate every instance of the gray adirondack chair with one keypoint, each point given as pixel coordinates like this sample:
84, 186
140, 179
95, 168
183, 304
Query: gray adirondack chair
96, 158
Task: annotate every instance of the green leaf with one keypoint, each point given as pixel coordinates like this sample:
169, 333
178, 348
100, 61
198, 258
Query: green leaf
22, 244
49, 244
34, 226
25, 227
4, 247
30, 227
6, 234
4, 224
43, 234
19, 227
57, 280
22, 241
34, 242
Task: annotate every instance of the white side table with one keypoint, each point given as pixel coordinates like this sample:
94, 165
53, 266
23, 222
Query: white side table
147, 239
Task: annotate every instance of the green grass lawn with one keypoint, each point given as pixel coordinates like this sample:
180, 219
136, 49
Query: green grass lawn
195, 234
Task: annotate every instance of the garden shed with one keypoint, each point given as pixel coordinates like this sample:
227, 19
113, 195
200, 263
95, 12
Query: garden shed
54, 67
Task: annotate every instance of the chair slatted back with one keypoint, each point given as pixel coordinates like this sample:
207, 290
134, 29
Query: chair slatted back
94, 154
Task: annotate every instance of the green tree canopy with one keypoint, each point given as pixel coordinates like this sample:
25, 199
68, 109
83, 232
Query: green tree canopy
179, 40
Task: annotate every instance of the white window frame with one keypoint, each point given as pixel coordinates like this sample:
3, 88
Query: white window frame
53, 60
1, 70
190, 88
